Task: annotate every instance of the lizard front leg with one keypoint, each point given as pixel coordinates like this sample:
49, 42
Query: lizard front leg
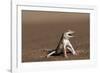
65, 51
72, 49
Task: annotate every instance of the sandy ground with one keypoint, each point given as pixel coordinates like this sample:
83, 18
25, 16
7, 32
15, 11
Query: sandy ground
40, 55
41, 32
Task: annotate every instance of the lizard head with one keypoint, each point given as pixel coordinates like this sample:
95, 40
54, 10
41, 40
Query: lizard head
68, 34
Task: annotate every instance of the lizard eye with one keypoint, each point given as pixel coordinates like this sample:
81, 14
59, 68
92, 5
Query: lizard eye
70, 34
